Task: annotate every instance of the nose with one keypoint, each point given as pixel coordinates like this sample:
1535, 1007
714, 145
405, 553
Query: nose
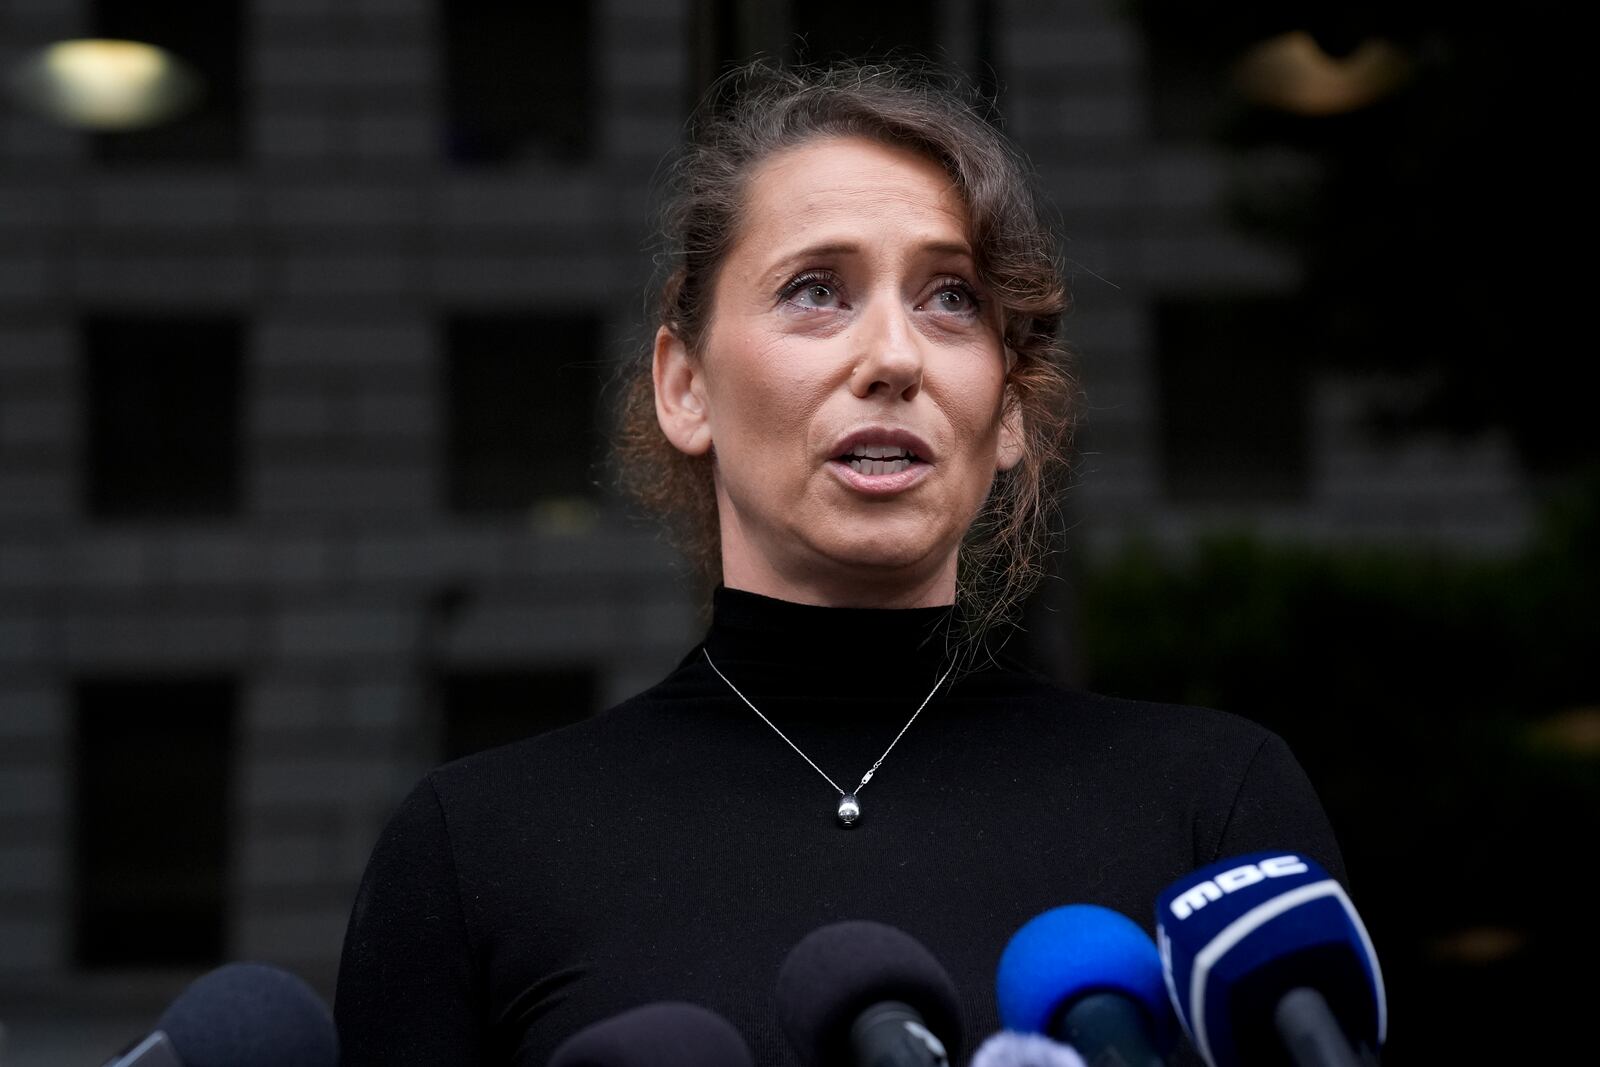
888, 359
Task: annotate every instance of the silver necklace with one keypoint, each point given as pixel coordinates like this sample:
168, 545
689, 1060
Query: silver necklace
849, 807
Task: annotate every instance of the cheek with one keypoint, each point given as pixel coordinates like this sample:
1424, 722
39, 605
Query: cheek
764, 397
977, 402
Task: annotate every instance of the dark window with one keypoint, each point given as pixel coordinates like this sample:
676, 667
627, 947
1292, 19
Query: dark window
1234, 375
205, 36
153, 761
1189, 96
488, 708
952, 33
523, 396
163, 433
1189, 56
823, 30
519, 80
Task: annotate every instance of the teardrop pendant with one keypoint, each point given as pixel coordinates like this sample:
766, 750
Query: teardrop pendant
849, 809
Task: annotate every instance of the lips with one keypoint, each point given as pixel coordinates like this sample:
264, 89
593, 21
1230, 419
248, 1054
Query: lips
881, 459
882, 445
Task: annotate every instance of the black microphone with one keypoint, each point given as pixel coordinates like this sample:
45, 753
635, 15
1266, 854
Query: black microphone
153, 1051
668, 1034
240, 1015
1090, 977
868, 995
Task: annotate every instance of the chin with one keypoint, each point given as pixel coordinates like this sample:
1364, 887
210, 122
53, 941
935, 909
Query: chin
884, 536
889, 561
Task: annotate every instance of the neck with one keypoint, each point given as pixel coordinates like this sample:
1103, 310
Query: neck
838, 585
847, 594
828, 660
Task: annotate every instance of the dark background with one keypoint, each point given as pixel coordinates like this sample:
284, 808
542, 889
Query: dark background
302, 433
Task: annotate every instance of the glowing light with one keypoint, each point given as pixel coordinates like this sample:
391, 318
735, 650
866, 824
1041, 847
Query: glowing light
1478, 945
1574, 733
564, 516
105, 85
1291, 73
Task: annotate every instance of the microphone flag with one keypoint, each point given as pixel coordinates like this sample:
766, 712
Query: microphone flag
1237, 936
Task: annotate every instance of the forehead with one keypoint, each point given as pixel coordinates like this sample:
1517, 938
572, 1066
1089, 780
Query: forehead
850, 182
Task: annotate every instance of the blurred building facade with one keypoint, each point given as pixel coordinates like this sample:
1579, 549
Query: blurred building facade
301, 479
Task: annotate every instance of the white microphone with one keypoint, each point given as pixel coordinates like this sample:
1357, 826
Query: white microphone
1011, 1049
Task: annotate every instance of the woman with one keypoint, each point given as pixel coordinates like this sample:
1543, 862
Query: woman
852, 411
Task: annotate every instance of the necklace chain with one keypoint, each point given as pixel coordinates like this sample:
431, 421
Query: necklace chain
871, 770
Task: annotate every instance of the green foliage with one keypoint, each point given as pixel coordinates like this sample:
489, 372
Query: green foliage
1417, 689
1344, 635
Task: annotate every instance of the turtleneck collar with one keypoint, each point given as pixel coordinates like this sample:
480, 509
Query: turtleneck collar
838, 659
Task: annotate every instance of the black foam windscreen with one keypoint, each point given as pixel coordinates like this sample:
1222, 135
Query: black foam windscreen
838, 971
667, 1034
251, 1015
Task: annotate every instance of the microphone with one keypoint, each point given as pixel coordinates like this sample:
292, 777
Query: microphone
240, 1015
866, 994
668, 1034
1091, 977
1267, 962
1009, 1049
154, 1051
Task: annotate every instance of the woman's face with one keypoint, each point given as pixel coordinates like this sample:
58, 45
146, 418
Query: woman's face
850, 383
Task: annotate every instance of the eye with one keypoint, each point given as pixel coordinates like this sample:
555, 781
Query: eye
817, 294
813, 290
955, 297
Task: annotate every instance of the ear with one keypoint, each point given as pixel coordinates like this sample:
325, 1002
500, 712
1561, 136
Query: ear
680, 395
1009, 452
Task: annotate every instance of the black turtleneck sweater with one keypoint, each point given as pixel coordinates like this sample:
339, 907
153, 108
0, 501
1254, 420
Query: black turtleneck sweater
674, 848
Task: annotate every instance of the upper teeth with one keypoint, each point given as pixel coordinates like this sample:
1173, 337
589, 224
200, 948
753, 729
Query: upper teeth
879, 452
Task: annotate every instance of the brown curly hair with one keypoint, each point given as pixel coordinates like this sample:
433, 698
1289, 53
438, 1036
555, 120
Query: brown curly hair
759, 110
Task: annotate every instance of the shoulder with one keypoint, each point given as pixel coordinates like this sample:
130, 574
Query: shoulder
1238, 783
1197, 738
1179, 723
1250, 792
542, 763
1202, 741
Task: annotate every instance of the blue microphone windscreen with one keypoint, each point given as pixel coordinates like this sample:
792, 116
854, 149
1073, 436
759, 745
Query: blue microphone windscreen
1239, 934
251, 1015
656, 1035
838, 971
1070, 951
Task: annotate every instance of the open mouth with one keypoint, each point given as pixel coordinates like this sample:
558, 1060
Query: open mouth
879, 459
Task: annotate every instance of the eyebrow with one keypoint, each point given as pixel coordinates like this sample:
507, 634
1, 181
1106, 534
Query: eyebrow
835, 248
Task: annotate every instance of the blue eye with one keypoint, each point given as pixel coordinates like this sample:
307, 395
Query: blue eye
816, 294
814, 291
956, 298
